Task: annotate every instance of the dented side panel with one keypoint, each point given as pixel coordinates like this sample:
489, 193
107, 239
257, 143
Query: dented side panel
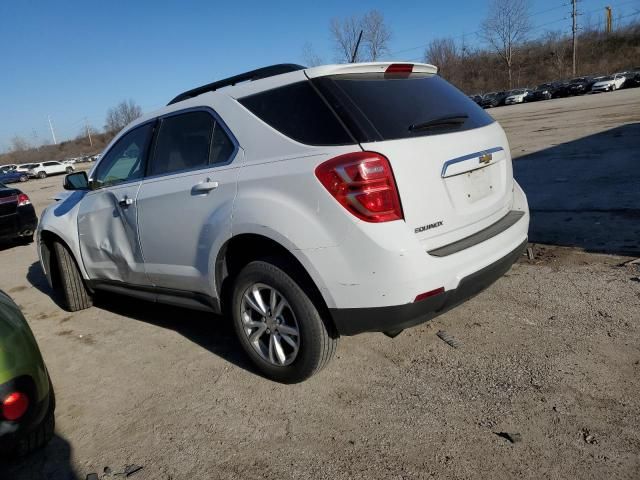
108, 235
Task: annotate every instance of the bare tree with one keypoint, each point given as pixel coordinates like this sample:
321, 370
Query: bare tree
345, 34
375, 37
506, 26
120, 116
558, 46
444, 54
18, 144
309, 56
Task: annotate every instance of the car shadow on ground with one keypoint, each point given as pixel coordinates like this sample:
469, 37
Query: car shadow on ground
585, 193
53, 462
213, 332
9, 244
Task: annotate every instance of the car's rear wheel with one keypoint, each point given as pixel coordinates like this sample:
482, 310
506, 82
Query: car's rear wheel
69, 169
42, 174
76, 295
278, 325
23, 178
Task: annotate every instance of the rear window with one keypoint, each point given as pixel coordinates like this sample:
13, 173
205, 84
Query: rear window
377, 106
297, 111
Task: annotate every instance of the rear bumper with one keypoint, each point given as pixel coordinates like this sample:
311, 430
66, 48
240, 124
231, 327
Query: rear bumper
21, 223
351, 321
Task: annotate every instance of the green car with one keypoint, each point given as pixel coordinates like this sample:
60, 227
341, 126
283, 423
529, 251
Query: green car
27, 400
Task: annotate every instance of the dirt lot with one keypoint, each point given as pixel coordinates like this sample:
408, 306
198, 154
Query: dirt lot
550, 354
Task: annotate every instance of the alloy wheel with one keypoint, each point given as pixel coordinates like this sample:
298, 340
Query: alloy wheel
270, 324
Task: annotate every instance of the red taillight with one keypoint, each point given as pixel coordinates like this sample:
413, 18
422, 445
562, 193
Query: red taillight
14, 406
399, 68
363, 183
23, 199
430, 293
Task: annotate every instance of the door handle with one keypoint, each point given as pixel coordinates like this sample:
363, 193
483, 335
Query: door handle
125, 201
204, 187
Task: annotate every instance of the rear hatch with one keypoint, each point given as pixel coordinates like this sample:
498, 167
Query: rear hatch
450, 159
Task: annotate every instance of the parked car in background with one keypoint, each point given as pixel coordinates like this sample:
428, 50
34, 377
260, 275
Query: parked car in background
25, 167
44, 169
17, 216
580, 85
546, 91
632, 79
476, 98
518, 95
609, 83
493, 99
8, 167
285, 200
27, 400
13, 176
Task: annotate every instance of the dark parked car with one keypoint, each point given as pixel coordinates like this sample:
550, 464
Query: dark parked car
545, 91
17, 215
493, 99
476, 98
580, 85
27, 401
633, 79
12, 176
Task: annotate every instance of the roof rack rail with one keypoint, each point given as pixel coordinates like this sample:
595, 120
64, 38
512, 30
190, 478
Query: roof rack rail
263, 72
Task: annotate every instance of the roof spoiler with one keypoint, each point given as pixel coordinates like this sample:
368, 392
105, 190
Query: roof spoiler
371, 67
243, 77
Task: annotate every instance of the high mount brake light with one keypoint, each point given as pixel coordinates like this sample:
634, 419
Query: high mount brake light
363, 183
23, 199
399, 68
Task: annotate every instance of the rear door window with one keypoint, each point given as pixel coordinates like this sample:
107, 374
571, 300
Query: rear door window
297, 111
378, 106
183, 143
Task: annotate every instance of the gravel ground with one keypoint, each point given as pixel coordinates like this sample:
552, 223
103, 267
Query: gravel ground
545, 381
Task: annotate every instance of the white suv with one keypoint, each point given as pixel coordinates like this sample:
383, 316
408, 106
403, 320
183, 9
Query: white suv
44, 169
303, 203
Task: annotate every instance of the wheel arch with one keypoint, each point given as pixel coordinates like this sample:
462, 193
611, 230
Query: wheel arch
241, 249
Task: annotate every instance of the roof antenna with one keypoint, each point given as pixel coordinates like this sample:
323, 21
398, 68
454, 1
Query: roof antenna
355, 50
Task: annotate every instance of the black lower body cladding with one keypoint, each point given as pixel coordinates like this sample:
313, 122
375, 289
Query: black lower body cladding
351, 321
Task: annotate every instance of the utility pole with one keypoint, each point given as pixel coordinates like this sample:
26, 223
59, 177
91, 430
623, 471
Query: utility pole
608, 20
53, 134
86, 124
574, 16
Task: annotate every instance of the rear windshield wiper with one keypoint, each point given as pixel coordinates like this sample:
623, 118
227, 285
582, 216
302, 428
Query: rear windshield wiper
448, 121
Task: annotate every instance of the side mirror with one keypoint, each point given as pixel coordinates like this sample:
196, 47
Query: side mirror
76, 181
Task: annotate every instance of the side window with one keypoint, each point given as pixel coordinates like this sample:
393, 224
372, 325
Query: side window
298, 112
221, 146
125, 160
183, 143
50, 164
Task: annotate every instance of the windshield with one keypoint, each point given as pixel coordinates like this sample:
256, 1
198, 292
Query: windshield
544, 86
516, 92
606, 79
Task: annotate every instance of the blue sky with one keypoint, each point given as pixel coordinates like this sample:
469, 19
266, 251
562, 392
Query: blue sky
74, 59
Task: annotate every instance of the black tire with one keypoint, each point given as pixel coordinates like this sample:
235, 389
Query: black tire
69, 170
24, 178
76, 295
317, 343
41, 435
42, 174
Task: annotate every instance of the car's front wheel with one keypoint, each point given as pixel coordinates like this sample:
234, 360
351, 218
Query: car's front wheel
42, 174
278, 325
69, 170
76, 295
23, 178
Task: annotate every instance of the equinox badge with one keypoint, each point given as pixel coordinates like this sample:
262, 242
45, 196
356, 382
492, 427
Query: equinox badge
428, 227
